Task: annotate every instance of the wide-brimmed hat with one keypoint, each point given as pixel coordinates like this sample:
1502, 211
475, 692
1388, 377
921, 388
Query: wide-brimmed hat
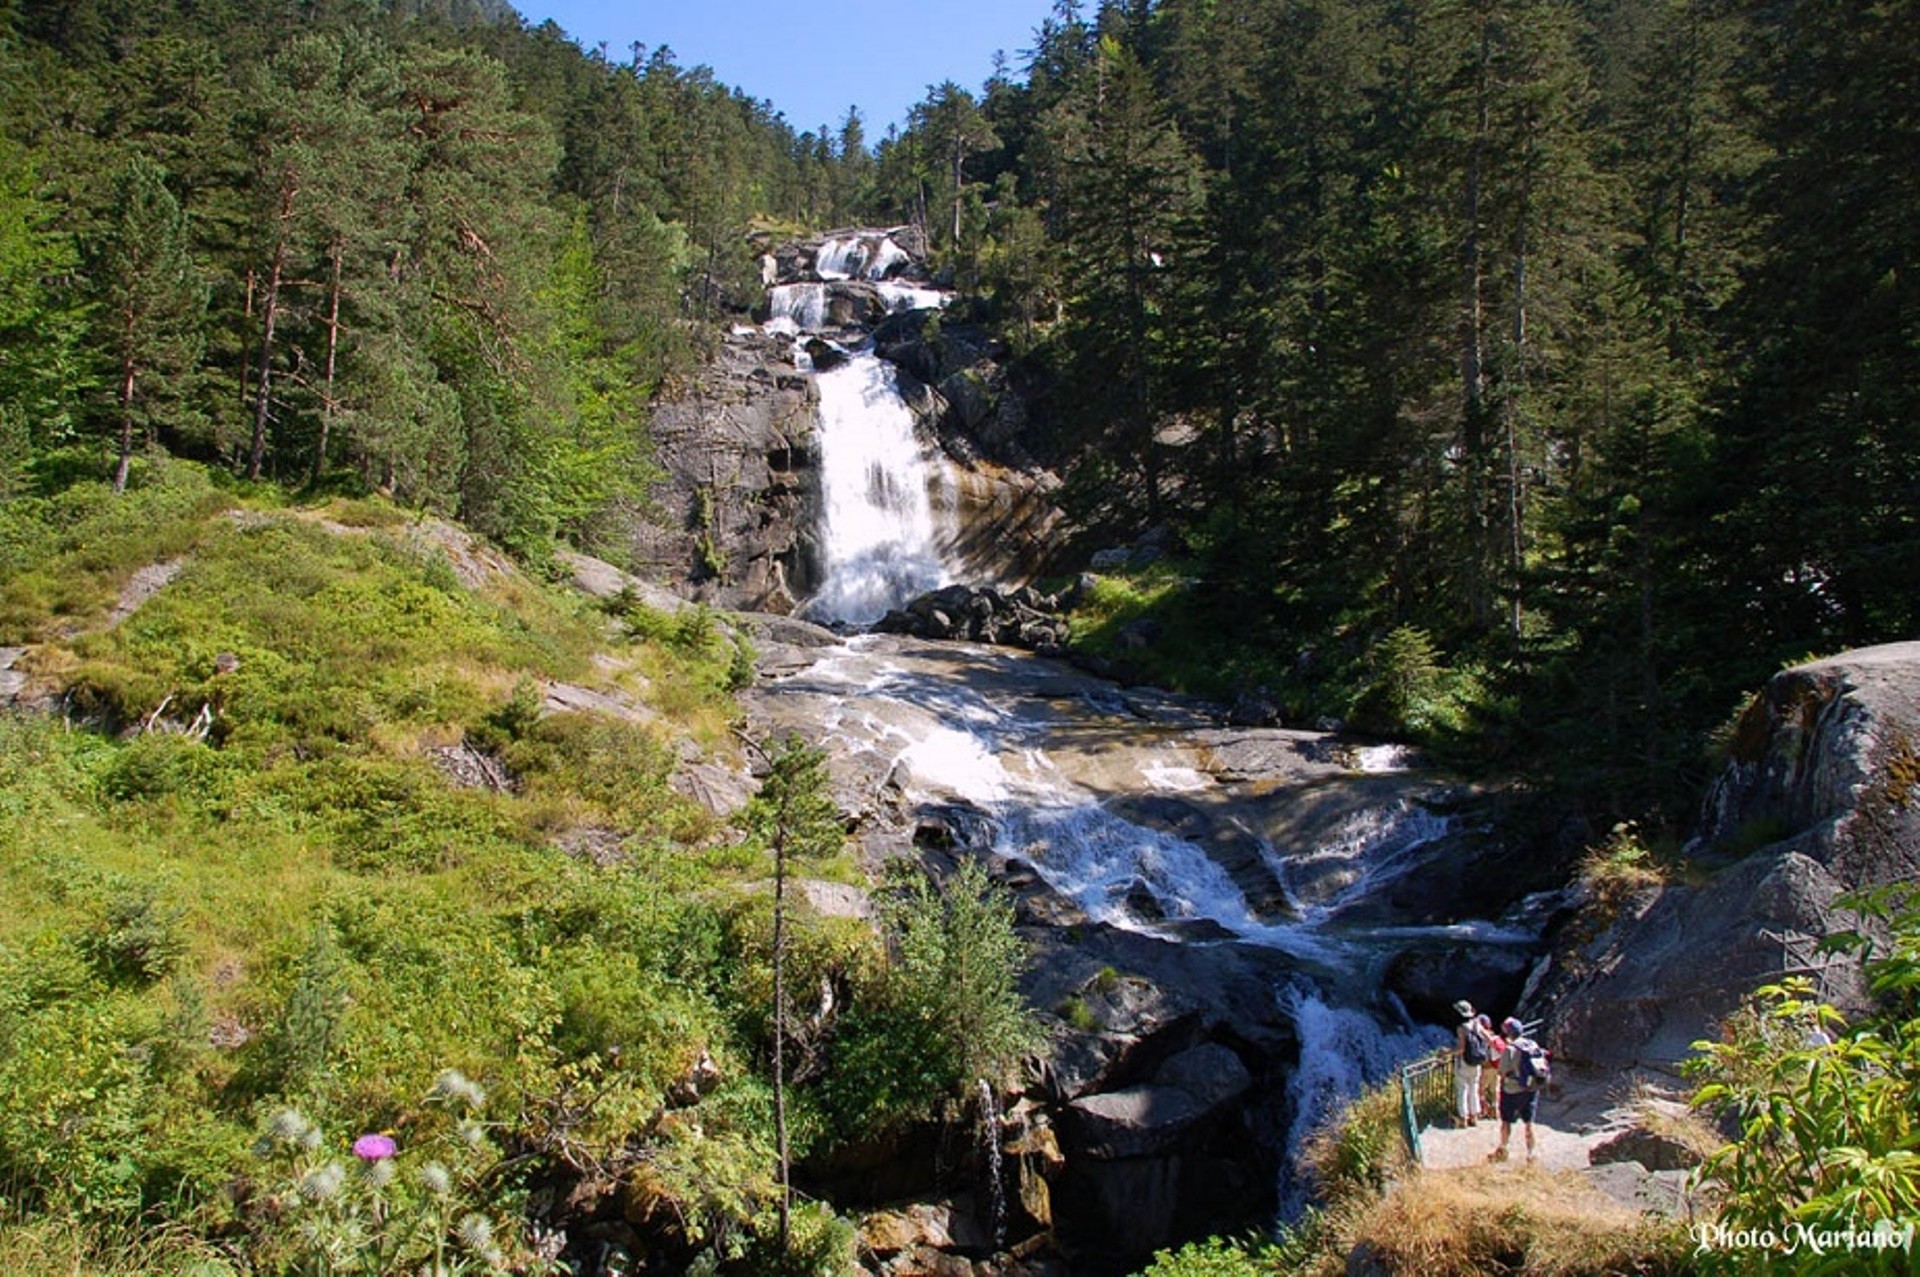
1465, 1008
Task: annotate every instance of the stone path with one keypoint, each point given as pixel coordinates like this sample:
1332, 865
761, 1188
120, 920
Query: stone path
1580, 1111
1583, 1110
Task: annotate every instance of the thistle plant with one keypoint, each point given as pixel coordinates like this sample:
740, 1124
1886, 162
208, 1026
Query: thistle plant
390, 1203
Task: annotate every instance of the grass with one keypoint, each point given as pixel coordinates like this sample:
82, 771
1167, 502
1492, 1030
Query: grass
1470, 1222
237, 880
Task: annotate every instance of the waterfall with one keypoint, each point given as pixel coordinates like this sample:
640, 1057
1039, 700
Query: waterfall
797, 307
875, 475
990, 1150
1343, 1050
1048, 766
905, 297
863, 256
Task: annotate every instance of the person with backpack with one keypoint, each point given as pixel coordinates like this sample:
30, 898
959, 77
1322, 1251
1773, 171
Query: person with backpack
1469, 1054
1524, 1072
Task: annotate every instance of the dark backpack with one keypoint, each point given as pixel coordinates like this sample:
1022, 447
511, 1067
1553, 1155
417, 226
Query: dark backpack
1534, 1069
1475, 1050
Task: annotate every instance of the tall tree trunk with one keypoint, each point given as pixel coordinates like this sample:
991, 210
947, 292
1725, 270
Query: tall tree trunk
128, 373
333, 351
1472, 343
780, 1028
269, 317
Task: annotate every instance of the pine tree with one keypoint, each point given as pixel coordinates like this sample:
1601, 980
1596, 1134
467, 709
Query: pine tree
150, 304
1127, 187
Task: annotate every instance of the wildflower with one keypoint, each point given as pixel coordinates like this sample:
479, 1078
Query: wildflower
377, 1174
454, 1087
321, 1184
374, 1148
472, 1133
436, 1179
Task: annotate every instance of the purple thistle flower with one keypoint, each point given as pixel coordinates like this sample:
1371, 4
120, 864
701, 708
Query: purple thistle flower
375, 1148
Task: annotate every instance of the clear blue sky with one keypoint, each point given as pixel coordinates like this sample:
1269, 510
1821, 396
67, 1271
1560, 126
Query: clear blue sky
814, 60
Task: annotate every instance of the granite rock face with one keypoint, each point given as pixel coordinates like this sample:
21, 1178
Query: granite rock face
1820, 795
739, 502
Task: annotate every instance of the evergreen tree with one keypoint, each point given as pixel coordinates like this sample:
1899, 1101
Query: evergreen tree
1816, 475
150, 304
1127, 188
41, 372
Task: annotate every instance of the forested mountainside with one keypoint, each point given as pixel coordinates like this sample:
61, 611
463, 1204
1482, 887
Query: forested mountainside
1542, 369
419, 247
1550, 360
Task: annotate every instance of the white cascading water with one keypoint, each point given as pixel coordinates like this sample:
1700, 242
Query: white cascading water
1343, 1050
951, 741
878, 532
878, 528
796, 307
982, 738
861, 256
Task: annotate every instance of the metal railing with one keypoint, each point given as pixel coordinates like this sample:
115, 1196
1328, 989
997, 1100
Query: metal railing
1426, 1092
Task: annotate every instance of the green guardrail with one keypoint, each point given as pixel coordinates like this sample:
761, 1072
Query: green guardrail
1426, 1092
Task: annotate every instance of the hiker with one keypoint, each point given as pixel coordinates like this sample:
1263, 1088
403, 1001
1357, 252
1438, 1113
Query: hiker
1469, 1053
1490, 1071
1524, 1073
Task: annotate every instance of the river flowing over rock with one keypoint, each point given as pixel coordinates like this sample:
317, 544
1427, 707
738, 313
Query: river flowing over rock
1233, 926
1820, 794
1212, 912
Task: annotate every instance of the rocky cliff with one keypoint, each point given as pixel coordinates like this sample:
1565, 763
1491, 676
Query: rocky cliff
1819, 795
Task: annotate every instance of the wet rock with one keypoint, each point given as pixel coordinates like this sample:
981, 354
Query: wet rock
982, 614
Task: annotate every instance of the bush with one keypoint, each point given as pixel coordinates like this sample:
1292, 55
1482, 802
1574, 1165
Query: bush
75, 1092
139, 939
1827, 1130
947, 1010
1410, 692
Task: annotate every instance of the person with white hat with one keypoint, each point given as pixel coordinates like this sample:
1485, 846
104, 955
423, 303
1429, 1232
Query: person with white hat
1469, 1053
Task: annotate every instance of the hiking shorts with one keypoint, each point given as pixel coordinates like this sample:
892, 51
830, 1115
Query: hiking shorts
1519, 1106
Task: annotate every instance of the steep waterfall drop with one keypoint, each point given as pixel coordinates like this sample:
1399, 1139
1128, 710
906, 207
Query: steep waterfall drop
879, 532
876, 479
1343, 1050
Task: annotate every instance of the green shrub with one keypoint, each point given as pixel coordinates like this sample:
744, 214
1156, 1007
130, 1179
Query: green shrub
1409, 691
1827, 1131
159, 764
139, 938
76, 1089
945, 1011
1216, 1257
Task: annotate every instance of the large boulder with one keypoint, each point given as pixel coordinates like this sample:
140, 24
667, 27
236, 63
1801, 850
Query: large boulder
1820, 795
